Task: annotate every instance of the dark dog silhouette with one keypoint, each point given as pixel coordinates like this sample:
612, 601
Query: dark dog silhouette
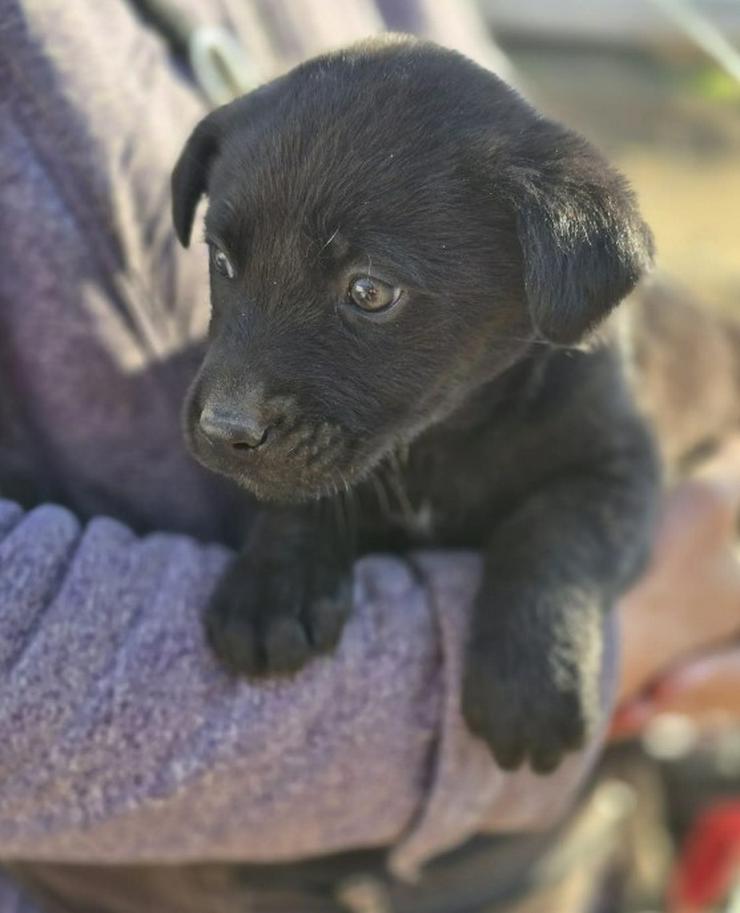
407, 264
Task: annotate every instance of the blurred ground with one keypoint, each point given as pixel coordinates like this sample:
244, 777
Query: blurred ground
672, 123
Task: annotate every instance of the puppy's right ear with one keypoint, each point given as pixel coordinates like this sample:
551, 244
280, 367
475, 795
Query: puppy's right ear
190, 177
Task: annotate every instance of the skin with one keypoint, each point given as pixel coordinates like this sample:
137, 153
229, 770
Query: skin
689, 603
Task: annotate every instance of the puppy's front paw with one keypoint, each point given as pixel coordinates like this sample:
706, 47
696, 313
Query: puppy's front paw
528, 702
271, 618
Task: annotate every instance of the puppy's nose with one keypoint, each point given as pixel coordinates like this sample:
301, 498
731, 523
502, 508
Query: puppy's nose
240, 430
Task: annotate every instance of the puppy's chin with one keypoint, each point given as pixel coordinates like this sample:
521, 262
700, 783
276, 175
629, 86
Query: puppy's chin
287, 477
277, 491
283, 485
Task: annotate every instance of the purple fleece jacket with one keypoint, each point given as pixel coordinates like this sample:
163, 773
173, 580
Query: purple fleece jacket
120, 738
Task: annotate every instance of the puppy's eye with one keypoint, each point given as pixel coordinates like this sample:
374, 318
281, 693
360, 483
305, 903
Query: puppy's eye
221, 262
372, 294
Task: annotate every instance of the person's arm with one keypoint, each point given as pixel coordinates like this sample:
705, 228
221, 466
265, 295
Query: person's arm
681, 624
121, 739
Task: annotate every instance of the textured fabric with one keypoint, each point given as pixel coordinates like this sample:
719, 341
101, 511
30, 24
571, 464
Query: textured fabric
120, 739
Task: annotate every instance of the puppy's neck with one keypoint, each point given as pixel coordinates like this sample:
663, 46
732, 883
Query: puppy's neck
512, 389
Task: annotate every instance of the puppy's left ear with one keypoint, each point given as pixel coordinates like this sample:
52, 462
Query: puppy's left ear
190, 176
584, 243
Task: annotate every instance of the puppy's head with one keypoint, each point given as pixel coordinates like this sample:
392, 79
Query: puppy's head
389, 227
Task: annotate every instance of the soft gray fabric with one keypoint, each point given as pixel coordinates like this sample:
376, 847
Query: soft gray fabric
120, 739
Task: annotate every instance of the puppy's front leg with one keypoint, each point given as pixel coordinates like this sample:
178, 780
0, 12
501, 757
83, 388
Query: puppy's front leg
532, 683
286, 597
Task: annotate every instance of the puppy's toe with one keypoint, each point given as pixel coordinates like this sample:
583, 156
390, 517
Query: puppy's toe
487, 711
233, 639
251, 622
546, 758
326, 616
268, 624
522, 719
286, 645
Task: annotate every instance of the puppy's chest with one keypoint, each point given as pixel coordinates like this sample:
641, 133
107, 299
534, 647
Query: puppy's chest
419, 520
448, 498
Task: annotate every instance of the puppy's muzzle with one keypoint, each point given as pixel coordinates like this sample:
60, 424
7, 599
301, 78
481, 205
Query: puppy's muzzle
266, 443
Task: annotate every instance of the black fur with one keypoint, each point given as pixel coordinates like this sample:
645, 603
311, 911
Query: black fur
462, 416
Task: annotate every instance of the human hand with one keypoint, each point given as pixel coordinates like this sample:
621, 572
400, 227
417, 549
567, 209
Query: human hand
679, 623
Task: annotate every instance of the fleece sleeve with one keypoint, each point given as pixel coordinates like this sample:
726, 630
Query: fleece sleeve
121, 740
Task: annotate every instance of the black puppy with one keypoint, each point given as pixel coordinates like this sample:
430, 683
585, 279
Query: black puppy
403, 255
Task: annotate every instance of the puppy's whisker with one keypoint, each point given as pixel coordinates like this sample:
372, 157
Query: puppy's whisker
402, 455
351, 505
396, 487
403, 498
354, 523
349, 539
534, 340
327, 242
381, 494
345, 521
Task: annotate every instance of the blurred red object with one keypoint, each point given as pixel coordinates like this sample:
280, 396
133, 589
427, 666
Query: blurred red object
709, 862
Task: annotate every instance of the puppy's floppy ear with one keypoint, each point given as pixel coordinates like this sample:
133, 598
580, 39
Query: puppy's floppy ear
584, 243
190, 176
